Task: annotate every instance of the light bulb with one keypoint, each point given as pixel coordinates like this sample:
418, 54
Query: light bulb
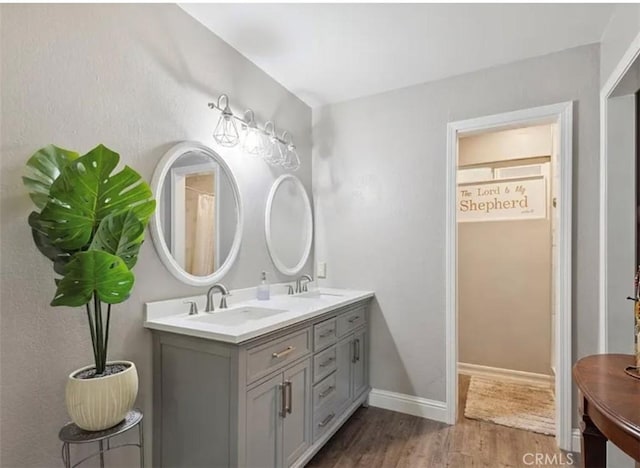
252, 142
252, 138
292, 161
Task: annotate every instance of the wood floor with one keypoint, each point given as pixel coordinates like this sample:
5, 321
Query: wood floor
374, 437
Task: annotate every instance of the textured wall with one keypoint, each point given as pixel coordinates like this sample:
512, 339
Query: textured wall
623, 27
379, 178
136, 78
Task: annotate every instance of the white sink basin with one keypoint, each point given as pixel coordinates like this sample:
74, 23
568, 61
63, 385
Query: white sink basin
315, 294
236, 316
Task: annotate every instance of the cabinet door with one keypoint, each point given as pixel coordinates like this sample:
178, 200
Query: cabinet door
344, 354
264, 423
359, 362
297, 422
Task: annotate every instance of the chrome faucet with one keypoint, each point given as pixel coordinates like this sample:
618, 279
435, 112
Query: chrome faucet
301, 283
223, 301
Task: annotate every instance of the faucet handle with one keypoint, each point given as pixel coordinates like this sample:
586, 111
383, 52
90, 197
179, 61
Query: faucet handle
193, 308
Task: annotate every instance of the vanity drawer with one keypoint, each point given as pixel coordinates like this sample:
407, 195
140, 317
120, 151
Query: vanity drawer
324, 363
351, 320
324, 334
324, 392
324, 419
267, 357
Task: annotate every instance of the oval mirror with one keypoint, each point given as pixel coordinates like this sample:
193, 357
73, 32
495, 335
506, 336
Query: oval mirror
288, 224
197, 226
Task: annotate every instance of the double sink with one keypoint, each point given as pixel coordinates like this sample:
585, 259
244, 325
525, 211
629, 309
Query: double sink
248, 318
245, 313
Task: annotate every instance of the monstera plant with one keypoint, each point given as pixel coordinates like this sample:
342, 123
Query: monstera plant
91, 224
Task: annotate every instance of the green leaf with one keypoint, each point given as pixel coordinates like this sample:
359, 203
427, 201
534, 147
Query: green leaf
59, 257
86, 193
91, 272
120, 234
42, 169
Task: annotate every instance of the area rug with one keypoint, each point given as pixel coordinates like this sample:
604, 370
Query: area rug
511, 404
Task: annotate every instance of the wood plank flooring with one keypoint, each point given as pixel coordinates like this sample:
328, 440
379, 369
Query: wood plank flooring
374, 437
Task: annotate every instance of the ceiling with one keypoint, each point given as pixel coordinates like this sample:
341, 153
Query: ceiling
326, 53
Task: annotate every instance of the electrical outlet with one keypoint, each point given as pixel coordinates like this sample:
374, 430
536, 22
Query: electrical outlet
322, 270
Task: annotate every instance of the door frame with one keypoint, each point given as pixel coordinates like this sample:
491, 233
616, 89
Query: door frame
560, 114
178, 186
618, 73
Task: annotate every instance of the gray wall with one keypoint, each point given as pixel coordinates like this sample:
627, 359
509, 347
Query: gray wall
379, 178
623, 27
621, 221
136, 78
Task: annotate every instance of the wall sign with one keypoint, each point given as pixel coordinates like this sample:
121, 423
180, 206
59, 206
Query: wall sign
524, 198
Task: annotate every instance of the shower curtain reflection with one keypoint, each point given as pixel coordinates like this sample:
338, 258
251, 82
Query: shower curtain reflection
202, 259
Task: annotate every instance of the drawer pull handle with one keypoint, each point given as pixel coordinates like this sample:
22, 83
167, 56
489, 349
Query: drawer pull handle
327, 333
284, 352
327, 362
353, 319
327, 391
326, 420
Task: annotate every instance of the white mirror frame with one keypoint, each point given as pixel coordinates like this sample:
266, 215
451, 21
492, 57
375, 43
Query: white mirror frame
267, 226
159, 176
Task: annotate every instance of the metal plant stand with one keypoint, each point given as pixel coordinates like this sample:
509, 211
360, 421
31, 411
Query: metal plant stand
72, 434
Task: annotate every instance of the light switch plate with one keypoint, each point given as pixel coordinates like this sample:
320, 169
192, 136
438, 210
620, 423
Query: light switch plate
322, 270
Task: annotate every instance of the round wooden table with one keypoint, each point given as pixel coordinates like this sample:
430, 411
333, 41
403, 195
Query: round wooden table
609, 406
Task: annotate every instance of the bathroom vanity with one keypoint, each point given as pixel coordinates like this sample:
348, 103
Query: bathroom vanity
260, 384
251, 383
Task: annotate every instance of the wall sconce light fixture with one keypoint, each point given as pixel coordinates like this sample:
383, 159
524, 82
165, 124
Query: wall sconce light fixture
226, 132
256, 141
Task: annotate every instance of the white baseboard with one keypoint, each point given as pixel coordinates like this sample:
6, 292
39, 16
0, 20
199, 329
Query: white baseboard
506, 374
575, 440
409, 404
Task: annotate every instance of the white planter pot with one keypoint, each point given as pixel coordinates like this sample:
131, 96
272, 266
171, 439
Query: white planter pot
100, 403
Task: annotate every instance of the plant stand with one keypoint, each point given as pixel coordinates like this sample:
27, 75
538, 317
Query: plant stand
72, 434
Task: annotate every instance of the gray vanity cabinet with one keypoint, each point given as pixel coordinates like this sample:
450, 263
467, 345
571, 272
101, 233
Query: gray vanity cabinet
264, 412
270, 402
297, 420
278, 418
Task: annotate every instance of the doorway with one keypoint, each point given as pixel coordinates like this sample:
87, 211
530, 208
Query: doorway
559, 119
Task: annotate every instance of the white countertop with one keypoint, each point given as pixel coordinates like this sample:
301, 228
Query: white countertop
172, 315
